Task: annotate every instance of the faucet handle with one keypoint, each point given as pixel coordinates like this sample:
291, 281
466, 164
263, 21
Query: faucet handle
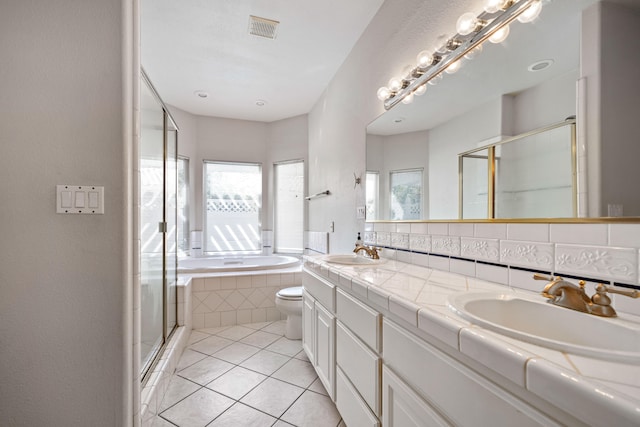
631, 293
538, 276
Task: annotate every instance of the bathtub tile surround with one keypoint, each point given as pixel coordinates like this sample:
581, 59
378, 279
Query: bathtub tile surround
257, 381
509, 253
232, 299
317, 242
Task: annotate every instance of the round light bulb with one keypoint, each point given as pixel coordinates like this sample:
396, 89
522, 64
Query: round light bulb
424, 58
453, 67
395, 84
408, 99
492, 6
531, 12
420, 91
467, 24
384, 93
435, 79
500, 35
473, 52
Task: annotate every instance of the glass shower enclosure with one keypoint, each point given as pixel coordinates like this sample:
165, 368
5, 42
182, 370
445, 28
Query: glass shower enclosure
157, 162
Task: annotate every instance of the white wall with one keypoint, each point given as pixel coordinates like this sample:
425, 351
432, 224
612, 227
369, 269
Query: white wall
62, 282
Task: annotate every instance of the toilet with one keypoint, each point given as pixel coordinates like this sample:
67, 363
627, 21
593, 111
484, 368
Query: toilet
289, 302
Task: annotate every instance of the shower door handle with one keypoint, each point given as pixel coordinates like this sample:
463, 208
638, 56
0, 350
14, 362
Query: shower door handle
162, 227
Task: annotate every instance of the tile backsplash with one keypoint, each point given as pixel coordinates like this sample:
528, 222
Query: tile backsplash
608, 253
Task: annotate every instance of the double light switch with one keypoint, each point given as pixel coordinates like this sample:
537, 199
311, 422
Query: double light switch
79, 199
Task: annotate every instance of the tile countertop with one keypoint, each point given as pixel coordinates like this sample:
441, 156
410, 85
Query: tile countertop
599, 392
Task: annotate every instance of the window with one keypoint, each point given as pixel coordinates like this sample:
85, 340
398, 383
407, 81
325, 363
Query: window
183, 206
371, 189
289, 207
406, 194
233, 199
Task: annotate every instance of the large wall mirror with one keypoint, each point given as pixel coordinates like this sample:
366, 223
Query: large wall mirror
574, 71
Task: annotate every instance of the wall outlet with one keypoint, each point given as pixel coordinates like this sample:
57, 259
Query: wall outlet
360, 212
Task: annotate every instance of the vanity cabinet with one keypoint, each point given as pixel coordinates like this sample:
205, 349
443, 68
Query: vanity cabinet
447, 391
319, 328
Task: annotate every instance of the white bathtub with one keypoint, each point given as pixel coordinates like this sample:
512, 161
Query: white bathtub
235, 263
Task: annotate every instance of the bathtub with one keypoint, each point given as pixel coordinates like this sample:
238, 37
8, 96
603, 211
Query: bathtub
235, 263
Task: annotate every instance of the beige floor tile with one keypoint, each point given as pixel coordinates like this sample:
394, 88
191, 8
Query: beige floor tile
211, 345
242, 415
302, 356
196, 336
257, 325
272, 396
178, 389
213, 331
188, 358
276, 327
312, 410
199, 409
318, 387
206, 370
260, 339
286, 346
281, 423
265, 362
236, 353
237, 382
158, 421
235, 332
296, 372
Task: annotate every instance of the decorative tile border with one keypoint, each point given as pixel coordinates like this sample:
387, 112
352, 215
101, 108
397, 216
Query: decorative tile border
527, 254
602, 262
480, 249
538, 249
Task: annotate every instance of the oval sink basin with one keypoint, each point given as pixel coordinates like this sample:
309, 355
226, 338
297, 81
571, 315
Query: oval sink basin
354, 259
541, 323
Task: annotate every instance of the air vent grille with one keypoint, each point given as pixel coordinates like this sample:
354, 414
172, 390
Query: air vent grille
263, 27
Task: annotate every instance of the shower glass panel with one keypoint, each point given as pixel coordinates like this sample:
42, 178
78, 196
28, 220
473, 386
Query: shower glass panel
535, 178
157, 225
474, 185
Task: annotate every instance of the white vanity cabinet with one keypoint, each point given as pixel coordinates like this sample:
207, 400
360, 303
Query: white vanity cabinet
446, 389
319, 328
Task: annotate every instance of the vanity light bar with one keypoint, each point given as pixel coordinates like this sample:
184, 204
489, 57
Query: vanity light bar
487, 24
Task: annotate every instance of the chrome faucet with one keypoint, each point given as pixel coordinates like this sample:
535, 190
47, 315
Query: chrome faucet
566, 294
370, 250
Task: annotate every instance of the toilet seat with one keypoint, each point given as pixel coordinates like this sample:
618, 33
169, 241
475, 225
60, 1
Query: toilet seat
290, 294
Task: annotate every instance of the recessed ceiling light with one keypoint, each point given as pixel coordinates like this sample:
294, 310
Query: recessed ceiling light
540, 65
261, 102
201, 94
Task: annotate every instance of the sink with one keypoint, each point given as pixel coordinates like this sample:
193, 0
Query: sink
538, 322
352, 259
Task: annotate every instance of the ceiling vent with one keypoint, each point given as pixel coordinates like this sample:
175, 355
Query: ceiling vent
263, 27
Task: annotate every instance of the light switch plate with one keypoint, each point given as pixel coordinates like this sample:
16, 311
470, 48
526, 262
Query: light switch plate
360, 212
79, 199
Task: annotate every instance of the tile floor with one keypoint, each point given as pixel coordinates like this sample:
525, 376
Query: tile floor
246, 375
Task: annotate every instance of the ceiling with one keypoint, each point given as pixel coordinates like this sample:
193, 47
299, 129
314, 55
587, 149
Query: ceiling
192, 46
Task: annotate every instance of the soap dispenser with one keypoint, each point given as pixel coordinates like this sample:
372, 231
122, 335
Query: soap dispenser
358, 241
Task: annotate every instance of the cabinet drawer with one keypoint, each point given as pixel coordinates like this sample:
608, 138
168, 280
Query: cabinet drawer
360, 319
447, 385
353, 410
320, 289
360, 365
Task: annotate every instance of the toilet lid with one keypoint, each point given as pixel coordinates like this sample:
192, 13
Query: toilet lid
291, 293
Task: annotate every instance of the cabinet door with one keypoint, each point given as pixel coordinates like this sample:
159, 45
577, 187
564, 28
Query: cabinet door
325, 356
307, 326
402, 407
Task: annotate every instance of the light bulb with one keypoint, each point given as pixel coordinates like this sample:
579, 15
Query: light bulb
420, 91
500, 35
384, 93
435, 79
424, 58
453, 67
473, 52
531, 12
395, 84
492, 6
408, 99
467, 24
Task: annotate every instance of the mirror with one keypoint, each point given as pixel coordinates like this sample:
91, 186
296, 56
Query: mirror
533, 80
